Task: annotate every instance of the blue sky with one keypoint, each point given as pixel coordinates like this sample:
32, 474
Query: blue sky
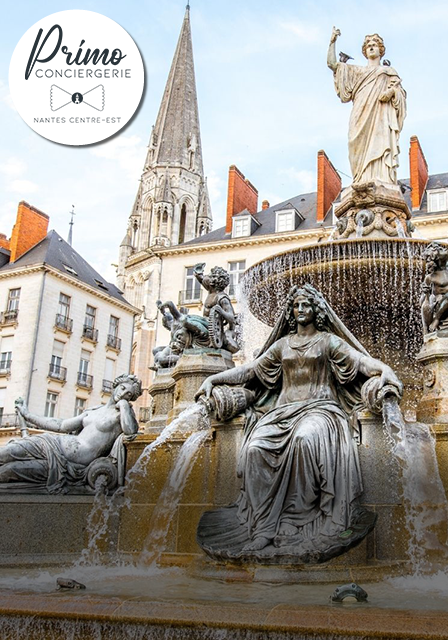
266, 103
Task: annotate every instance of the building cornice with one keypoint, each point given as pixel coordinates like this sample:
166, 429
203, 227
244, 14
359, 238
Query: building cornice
24, 271
318, 233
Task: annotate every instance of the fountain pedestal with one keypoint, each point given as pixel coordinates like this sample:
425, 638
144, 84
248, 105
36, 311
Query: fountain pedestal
162, 393
433, 406
193, 368
373, 209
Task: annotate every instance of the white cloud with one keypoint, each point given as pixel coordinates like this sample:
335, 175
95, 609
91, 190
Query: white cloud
22, 187
5, 96
305, 32
303, 179
127, 151
13, 167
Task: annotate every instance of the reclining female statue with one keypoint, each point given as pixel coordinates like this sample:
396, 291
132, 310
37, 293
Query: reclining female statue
54, 461
299, 465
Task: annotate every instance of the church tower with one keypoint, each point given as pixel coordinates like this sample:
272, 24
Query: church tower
172, 204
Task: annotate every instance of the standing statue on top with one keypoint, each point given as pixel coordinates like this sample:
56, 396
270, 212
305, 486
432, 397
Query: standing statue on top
379, 110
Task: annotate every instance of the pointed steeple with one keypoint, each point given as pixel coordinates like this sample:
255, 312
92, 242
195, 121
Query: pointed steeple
175, 139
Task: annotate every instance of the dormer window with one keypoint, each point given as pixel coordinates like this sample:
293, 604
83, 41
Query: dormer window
287, 219
437, 200
241, 227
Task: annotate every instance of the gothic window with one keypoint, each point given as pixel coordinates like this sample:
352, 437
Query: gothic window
183, 220
164, 229
134, 234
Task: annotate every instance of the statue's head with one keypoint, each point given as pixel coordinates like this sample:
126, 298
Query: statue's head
219, 278
181, 340
127, 386
435, 255
305, 304
373, 40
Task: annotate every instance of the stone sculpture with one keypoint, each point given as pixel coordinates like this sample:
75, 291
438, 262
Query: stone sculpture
301, 481
75, 454
379, 110
434, 300
187, 332
218, 308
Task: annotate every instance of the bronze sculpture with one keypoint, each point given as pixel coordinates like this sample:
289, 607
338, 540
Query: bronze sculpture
301, 481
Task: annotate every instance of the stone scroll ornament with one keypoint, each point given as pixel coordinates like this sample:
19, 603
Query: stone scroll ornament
82, 454
300, 474
434, 299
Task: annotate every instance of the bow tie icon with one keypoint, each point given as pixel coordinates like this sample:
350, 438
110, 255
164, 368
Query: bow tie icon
61, 98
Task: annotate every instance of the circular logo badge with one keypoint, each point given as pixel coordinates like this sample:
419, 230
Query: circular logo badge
76, 77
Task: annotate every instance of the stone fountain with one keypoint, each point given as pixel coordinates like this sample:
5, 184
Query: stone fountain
294, 512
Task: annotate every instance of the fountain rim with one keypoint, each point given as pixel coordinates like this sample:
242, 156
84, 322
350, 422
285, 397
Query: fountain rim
344, 241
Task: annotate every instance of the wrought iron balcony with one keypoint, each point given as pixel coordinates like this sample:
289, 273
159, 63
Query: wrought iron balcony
114, 342
57, 373
5, 367
9, 317
107, 386
190, 296
144, 414
8, 420
90, 333
64, 323
84, 380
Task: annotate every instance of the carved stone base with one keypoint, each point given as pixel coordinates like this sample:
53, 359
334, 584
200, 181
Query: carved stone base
162, 392
373, 209
190, 372
433, 406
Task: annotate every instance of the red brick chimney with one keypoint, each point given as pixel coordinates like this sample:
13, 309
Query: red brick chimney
328, 185
265, 205
418, 170
241, 194
30, 228
4, 242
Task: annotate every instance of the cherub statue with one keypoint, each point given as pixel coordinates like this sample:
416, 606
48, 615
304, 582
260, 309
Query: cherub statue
218, 308
434, 300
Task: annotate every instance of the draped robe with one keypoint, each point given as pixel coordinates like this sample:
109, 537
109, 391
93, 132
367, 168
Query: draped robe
375, 126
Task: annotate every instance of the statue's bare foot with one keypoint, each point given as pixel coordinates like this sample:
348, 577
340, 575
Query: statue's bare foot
433, 326
287, 529
257, 544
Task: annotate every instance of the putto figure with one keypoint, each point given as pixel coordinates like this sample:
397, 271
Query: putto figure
299, 467
218, 308
379, 110
434, 300
55, 462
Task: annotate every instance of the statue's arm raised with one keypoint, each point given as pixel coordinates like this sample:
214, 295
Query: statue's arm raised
238, 375
331, 55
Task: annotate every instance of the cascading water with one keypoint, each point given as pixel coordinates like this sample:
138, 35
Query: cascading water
106, 508
424, 499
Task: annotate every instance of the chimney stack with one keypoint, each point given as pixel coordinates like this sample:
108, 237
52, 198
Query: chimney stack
241, 194
418, 170
265, 205
30, 228
329, 185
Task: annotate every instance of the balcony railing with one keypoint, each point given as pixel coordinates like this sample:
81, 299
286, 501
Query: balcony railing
114, 342
144, 414
64, 323
5, 367
9, 420
9, 317
107, 386
190, 297
84, 380
90, 333
57, 373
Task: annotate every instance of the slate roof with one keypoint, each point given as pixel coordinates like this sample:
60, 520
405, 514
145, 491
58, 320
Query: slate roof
55, 252
306, 204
